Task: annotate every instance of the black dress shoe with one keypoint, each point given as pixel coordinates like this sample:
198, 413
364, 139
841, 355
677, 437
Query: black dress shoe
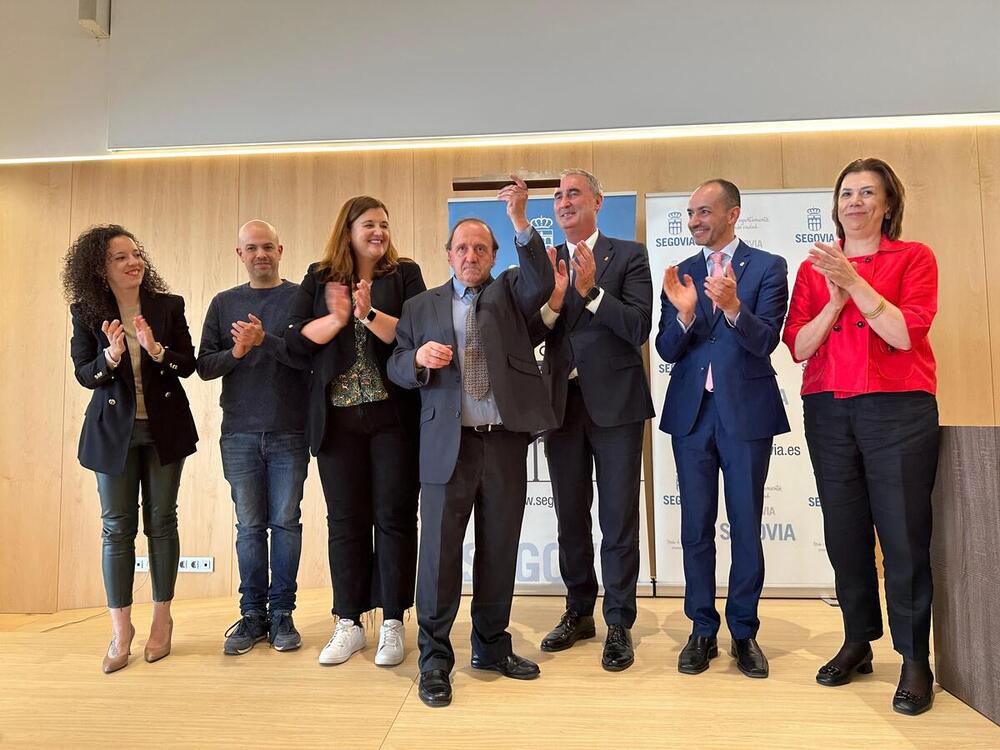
435, 688
915, 692
696, 654
911, 704
618, 653
512, 666
832, 675
749, 658
572, 627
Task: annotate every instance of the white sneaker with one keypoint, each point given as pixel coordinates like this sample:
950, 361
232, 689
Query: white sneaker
390, 644
347, 639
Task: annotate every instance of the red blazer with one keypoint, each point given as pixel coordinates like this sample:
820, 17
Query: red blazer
854, 360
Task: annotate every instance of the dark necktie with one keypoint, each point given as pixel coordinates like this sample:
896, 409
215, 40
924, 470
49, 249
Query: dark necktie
475, 377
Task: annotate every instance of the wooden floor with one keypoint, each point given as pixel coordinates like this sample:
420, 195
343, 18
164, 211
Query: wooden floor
52, 692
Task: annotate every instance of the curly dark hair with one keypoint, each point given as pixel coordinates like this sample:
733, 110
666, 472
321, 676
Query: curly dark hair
84, 275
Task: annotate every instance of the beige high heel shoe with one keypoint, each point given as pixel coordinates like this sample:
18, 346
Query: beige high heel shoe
158, 652
114, 663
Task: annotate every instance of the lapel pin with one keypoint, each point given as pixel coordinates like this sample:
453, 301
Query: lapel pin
742, 263
605, 258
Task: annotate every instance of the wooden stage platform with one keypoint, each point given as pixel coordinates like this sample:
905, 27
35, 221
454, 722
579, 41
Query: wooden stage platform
52, 693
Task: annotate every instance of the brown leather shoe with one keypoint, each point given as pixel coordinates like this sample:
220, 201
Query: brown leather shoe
120, 659
155, 653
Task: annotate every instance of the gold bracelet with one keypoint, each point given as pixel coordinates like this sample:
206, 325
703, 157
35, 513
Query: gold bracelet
877, 311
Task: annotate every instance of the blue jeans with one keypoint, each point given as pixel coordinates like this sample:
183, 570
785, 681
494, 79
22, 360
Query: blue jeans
266, 471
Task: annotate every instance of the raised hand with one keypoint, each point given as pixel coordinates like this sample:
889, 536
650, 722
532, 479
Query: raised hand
338, 302
831, 262
145, 336
585, 268
362, 299
115, 332
433, 355
722, 291
516, 196
682, 294
561, 273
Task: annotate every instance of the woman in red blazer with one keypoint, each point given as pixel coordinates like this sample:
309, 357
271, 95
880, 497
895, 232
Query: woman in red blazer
859, 317
130, 346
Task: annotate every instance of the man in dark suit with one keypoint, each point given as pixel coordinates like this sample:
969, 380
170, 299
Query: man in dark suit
595, 324
479, 409
722, 311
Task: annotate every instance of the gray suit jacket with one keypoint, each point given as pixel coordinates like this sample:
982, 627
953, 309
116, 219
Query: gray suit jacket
503, 309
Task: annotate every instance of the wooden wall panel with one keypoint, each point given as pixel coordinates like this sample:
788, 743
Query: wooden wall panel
301, 196
940, 169
34, 229
681, 164
187, 212
989, 167
433, 171
184, 212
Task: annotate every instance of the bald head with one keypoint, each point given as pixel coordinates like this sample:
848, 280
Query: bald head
260, 252
254, 228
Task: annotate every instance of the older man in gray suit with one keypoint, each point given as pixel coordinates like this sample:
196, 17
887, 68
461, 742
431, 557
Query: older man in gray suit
479, 409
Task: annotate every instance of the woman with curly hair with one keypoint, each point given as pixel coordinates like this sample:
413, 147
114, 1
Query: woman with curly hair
362, 428
130, 345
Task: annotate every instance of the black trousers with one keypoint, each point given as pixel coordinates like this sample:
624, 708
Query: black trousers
490, 479
368, 468
875, 459
119, 493
572, 451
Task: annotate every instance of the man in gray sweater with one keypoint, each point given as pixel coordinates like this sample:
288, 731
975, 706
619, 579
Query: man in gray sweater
265, 456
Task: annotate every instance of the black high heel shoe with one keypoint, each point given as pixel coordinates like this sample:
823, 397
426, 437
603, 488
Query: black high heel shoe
830, 675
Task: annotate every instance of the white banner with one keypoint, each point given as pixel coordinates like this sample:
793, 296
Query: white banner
785, 222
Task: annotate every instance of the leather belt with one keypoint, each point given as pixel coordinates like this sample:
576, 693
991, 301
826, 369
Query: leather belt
486, 428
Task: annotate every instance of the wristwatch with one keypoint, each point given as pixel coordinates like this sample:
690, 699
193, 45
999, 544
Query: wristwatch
594, 293
370, 316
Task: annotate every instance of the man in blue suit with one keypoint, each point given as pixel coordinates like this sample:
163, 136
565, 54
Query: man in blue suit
721, 316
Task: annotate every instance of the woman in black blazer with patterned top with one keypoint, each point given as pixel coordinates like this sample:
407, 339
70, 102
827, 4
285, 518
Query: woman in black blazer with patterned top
362, 428
130, 346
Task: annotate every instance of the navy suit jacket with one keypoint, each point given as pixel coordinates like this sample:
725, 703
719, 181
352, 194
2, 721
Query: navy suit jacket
744, 383
502, 311
606, 347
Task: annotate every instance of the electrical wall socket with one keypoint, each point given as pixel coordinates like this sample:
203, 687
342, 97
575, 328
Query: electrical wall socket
186, 565
196, 565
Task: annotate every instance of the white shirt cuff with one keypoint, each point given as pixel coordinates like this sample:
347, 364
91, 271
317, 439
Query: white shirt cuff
549, 316
684, 327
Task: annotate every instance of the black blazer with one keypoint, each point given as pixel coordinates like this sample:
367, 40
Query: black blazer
107, 425
502, 312
605, 348
331, 359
